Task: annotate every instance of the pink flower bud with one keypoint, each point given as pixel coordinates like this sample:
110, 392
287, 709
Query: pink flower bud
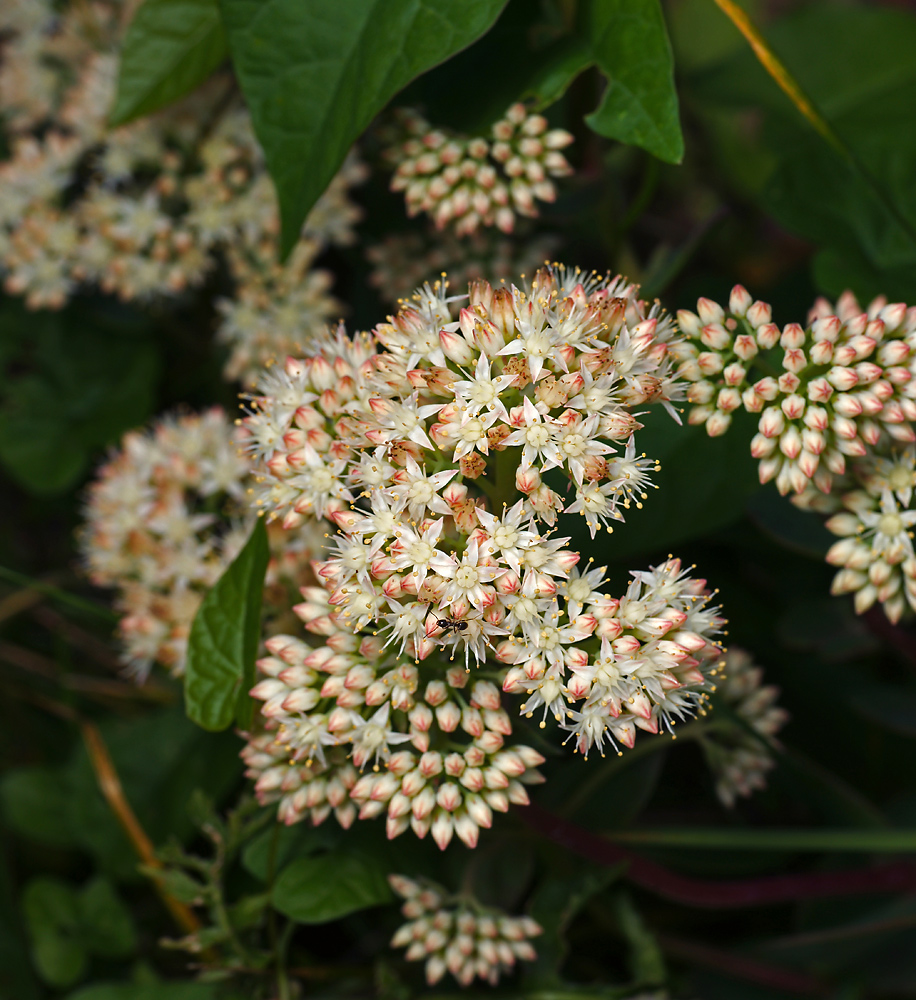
739, 301
759, 314
767, 388
790, 442
448, 716
718, 423
772, 422
794, 360
710, 312
767, 335
442, 829
423, 803
449, 796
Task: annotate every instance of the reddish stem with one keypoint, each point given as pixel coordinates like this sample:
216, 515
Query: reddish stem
898, 876
742, 967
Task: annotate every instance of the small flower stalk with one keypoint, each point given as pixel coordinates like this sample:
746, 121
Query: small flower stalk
446, 602
739, 760
465, 182
871, 513
456, 935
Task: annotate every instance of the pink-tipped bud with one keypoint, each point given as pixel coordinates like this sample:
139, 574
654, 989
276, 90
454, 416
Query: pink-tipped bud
772, 422
739, 301
767, 335
759, 314
710, 312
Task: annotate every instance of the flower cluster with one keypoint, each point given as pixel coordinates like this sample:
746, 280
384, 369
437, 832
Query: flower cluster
466, 182
738, 759
147, 209
429, 443
164, 517
457, 935
318, 699
404, 261
872, 514
827, 392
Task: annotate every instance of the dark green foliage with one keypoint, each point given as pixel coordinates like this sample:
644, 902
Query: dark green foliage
224, 640
171, 47
315, 75
72, 382
629, 45
327, 887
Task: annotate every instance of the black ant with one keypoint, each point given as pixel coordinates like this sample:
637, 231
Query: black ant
448, 625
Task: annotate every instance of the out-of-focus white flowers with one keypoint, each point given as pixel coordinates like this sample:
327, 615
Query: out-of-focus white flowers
164, 518
457, 935
404, 261
146, 209
465, 182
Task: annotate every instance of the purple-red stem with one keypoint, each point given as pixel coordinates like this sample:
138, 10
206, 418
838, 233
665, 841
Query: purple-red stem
898, 876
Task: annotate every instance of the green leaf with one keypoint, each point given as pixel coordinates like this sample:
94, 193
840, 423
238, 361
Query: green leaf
224, 640
52, 915
860, 213
107, 927
798, 530
171, 47
177, 883
284, 843
554, 905
630, 46
34, 799
330, 886
249, 911
557, 68
315, 74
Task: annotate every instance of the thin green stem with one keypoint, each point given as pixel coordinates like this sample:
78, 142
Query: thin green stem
779, 72
871, 841
283, 991
21, 580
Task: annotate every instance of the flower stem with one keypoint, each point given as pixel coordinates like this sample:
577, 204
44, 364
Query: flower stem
770, 889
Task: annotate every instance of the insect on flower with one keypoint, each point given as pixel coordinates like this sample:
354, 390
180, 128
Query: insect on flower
449, 626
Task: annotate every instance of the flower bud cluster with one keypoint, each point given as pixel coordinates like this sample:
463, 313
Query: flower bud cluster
461, 765
151, 206
825, 393
871, 512
457, 935
740, 762
467, 182
414, 441
164, 517
305, 789
404, 261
